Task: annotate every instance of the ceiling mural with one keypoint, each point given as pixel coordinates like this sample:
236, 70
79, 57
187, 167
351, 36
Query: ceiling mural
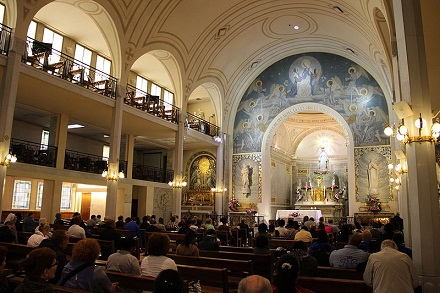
322, 78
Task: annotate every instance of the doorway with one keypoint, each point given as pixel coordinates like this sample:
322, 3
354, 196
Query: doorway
85, 205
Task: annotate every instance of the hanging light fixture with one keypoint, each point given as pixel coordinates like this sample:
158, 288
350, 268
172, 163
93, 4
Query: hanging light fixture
178, 182
401, 132
112, 176
9, 158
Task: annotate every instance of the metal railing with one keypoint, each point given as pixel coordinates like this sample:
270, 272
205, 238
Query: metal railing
201, 125
34, 153
84, 162
42, 56
150, 173
151, 104
5, 39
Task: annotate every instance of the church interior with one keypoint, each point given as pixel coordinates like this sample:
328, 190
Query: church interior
223, 108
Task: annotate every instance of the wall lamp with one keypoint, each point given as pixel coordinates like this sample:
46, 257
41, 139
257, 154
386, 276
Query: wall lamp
9, 158
112, 176
401, 132
178, 182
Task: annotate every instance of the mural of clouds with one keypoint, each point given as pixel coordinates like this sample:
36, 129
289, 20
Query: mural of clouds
322, 78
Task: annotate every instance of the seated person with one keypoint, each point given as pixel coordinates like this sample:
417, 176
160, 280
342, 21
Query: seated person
225, 227
303, 235
308, 264
8, 233
168, 281
209, 242
40, 267
76, 230
281, 229
81, 272
262, 231
39, 235
57, 243
349, 256
188, 247
400, 242
321, 249
155, 259
286, 275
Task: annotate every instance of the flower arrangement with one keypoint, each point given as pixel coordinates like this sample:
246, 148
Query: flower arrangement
251, 211
295, 215
320, 172
306, 187
233, 204
339, 194
375, 204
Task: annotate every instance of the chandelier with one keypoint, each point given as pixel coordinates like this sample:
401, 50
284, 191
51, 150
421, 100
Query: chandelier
9, 158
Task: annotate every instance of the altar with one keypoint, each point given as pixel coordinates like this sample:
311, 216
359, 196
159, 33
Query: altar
284, 214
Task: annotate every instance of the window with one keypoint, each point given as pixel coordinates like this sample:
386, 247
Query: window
2, 13
44, 140
56, 40
32, 31
85, 56
66, 197
105, 152
103, 65
168, 97
22, 194
142, 84
39, 195
156, 90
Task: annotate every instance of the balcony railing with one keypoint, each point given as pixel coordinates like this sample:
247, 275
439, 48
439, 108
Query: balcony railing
42, 56
150, 173
203, 126
151, 104
5, 39
34, 153
89, 163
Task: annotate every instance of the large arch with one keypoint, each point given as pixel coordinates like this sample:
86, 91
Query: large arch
268, 139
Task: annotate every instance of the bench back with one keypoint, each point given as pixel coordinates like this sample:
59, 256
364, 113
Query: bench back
23, 237
14, 281
212, 277
332, 285
239, 268
286, 243
237, 249
17, 249
263, 263
339, 273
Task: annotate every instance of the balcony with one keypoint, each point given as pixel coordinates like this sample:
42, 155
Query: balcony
5, 39
149, 173
143, 101
89, 163
43, 57
34, 153
196, 123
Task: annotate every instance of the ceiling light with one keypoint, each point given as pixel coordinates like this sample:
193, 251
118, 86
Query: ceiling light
106, 136
74, 126
296, 27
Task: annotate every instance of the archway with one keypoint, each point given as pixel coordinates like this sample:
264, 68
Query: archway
265, 206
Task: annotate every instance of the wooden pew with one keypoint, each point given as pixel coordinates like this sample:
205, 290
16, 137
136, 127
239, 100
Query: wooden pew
236, 249
332, 285
23, 237
339, 273
107, 245
237, 269
286, 243
16, 253
263, 263
14, 281
210, 278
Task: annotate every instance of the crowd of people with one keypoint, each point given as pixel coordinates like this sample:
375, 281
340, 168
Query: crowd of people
379, 253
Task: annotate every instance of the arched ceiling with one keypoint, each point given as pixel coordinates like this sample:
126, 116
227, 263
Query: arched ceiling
232, 41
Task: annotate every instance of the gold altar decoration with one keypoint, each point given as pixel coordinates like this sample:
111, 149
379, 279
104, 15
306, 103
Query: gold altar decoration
318, 192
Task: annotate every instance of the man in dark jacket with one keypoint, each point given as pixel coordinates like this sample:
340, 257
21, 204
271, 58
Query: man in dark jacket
210, 241
57, 243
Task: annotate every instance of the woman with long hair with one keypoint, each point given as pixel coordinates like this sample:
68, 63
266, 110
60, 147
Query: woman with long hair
188, 246
286, 276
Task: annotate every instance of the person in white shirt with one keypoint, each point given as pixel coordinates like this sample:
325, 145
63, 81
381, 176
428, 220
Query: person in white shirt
76, 230
157, 261
391, 270
39, 235
281, 229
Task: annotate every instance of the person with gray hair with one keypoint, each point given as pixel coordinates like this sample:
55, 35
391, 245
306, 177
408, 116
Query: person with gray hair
254, 284
391, 270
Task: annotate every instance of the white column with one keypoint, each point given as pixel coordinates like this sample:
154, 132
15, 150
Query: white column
113, 164
422, 183
61, 139
8, 93
220, 183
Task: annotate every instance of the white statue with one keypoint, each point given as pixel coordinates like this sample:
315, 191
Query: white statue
245, 172
373, 178
323, 160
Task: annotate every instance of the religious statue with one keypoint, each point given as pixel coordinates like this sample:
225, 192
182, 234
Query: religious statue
245, 177
373, 178
323, 160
